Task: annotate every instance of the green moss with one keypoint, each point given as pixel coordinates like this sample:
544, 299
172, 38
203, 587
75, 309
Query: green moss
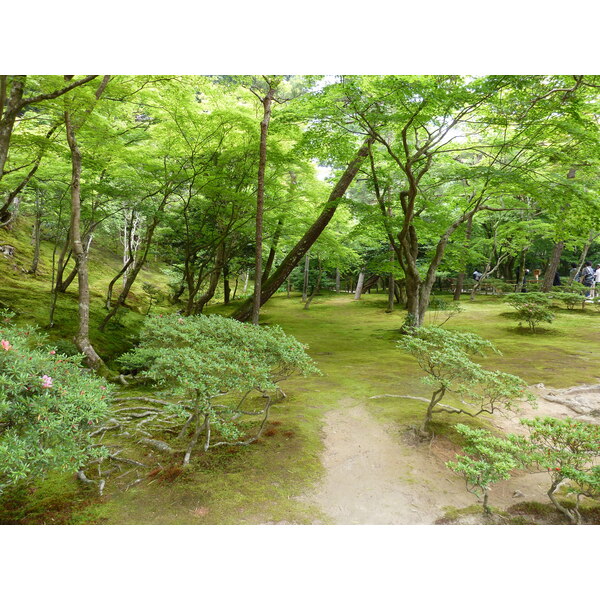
354, 345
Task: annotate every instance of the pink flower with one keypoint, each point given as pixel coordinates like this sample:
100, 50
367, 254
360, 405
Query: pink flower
52, 352
46, 381
6, 345
102, 387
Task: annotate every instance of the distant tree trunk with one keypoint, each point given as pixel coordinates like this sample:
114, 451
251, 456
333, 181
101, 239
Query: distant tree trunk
267, 101
337, 280
391, 288
226, 285
295, 255
359, 285
235, 287
306, 273
82, 339
552, 266
114, 280
317, 285
272, 251
289, 286
36, 237
139, 261
522, 275
213, 281
460, 280
246, 281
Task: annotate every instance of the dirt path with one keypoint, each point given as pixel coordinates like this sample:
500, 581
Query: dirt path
374, 477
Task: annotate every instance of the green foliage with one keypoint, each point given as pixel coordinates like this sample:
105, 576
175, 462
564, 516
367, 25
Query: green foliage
532, 307
198, 359
442, 310
445, 357
567, 450
487, 460
570, 299
48, 405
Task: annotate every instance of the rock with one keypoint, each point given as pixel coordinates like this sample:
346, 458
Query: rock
518, 494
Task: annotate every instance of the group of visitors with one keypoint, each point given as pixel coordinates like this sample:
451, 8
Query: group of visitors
588, 276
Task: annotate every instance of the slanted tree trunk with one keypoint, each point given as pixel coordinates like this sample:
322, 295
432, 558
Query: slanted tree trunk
306, 274
309, 238
584, 252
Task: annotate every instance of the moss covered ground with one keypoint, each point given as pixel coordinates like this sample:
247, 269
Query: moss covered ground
354, 346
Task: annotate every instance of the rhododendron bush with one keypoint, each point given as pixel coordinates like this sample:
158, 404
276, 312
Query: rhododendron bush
48, 406
209, 365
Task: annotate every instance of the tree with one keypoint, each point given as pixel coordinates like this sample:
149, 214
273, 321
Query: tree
14, 102
444, 356
487, 460
208, 366
266, 101
567, 450
82, 339
309, 238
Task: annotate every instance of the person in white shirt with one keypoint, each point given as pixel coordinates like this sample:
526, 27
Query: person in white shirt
596, 284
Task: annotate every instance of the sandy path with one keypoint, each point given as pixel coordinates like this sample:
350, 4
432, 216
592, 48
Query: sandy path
373, 477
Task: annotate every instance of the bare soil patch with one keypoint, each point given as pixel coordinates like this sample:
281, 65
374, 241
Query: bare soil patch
373, 475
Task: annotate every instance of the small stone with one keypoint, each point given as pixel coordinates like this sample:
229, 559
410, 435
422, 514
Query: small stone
518, 494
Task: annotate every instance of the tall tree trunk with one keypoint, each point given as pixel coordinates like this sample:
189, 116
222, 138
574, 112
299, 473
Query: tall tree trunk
337, 280
267, 101
82, 339
306, 274
288, 286
552, 266
309, 238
